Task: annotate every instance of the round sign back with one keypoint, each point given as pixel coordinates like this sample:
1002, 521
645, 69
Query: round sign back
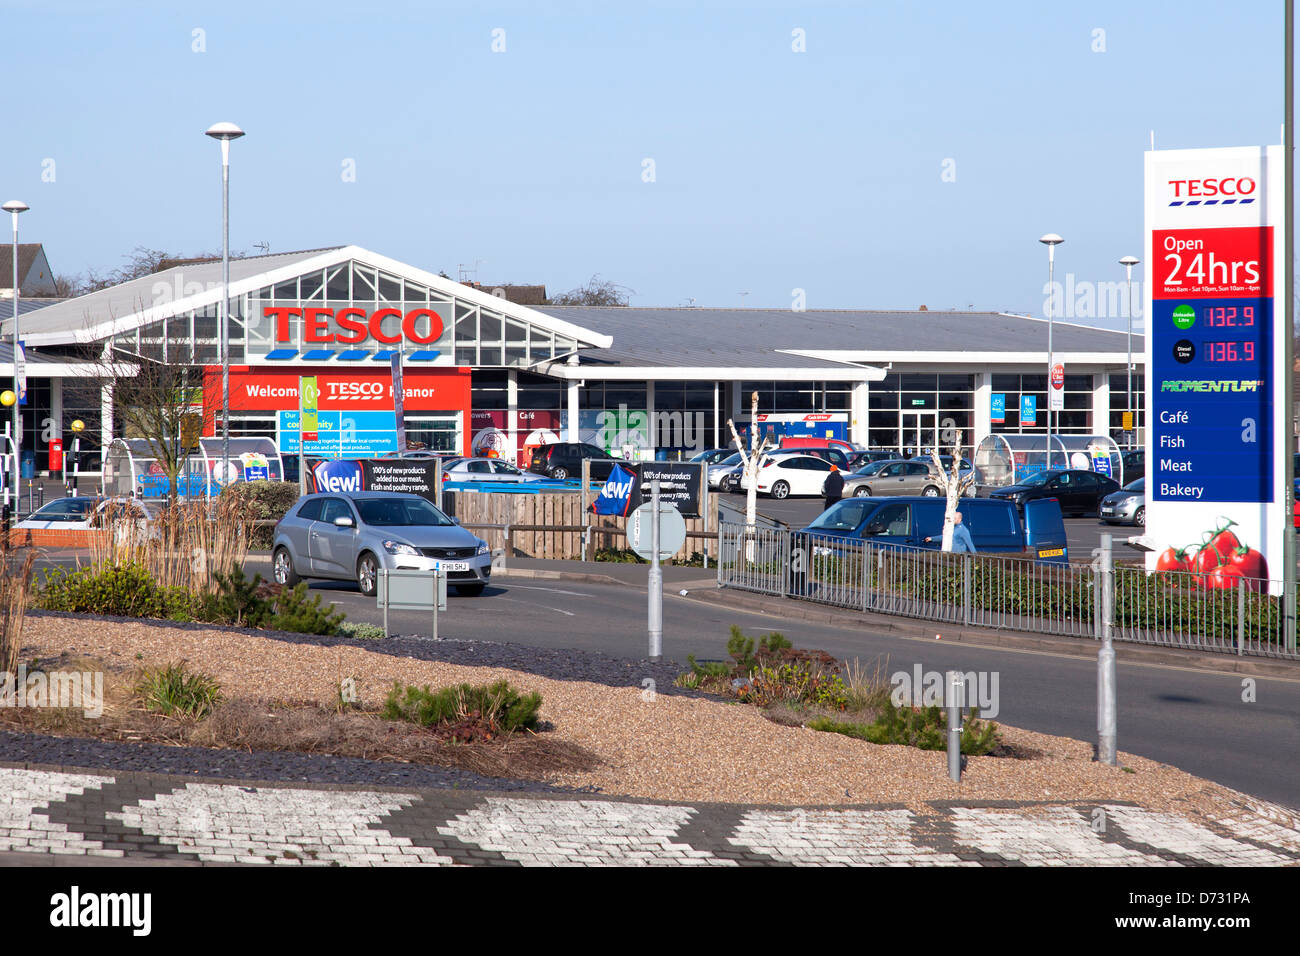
672, 530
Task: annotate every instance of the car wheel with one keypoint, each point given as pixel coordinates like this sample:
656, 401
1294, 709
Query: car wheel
559, 474
931, 491
862, 492
470, 590
1140, 517
282, 568
780, 490
368, 575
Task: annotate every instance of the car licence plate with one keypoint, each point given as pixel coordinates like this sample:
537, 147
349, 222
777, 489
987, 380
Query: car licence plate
455, 565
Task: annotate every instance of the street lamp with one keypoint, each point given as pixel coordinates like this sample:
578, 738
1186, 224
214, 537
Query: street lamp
14, 207
1051, 240
225, 132
1128, 262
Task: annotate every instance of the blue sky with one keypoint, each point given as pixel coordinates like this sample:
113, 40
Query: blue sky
773, 170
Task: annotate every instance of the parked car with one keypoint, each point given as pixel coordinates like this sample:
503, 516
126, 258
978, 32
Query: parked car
859, 459
350, 536
1135, 463
488, 469
1126, 506
66, 513
914, 477
723, 469
563, 460
784, 475
809, 442
712, 456
1079, 492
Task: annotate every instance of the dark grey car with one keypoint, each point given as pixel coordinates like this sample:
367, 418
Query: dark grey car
349, 536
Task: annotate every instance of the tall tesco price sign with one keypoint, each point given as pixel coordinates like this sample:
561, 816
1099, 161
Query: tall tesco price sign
1217, 427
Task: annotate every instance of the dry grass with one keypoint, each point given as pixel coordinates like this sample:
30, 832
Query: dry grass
183, 545
15, 594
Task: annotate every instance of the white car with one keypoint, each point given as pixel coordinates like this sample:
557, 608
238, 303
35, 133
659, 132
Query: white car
784, 475
66, 513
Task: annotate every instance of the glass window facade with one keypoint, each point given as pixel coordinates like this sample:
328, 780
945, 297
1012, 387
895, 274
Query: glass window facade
1075, 418
913, 411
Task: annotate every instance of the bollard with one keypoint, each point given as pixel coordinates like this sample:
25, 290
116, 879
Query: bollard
956, 702
1107, 718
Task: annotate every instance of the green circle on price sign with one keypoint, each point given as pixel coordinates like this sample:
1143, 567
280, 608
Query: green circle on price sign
1184, 317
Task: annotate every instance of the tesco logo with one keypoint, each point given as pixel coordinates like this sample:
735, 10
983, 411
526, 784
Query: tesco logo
355, 326
1227, 186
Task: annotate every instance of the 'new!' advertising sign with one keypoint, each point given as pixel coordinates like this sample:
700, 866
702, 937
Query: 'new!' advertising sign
1217, 430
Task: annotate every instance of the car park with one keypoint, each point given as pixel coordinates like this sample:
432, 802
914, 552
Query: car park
1126, 506
352, 536
563, 460
1079, 492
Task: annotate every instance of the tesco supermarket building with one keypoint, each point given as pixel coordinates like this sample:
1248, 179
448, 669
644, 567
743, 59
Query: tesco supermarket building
480, 371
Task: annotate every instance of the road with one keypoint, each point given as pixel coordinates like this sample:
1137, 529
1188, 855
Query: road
1195, 720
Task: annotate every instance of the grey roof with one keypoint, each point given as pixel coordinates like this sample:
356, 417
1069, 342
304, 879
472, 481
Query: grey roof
33, 358
754, 337
28, 255
25, 304
71, 315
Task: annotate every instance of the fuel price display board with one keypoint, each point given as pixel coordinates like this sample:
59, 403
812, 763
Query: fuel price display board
1216, 431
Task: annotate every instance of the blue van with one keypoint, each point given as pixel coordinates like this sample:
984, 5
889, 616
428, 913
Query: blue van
907, 522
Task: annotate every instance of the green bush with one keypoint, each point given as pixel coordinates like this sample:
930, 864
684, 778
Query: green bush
925, 728
262, 500
128, 590
361, 631
498, 705
117, 590
175, 691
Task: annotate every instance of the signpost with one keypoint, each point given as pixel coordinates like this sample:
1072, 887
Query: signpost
656, 531
1220, 431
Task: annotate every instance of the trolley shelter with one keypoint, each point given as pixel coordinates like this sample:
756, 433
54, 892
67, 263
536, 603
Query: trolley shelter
1004, 460
131, 467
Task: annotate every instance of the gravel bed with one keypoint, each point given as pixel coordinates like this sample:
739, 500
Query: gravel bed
277, 766
651, 745
566, 664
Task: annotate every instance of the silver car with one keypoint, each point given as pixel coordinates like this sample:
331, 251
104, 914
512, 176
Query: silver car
488, 469
349, 536
1126, 506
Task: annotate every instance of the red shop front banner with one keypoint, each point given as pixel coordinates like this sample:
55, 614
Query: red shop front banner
262, 389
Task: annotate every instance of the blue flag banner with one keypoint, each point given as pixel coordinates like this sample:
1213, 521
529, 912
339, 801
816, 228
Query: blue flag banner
616, 496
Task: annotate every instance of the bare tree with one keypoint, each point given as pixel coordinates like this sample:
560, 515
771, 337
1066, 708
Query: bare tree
955, 485
597, 291
750, 463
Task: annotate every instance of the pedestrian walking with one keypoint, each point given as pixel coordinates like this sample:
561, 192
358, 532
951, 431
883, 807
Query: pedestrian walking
961, 539
834, 487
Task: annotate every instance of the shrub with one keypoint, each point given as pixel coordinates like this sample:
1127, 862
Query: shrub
15, 592
498, 705
922, 727
262, 501
798, 683
175, 691
294, 612
119, 590
361, 631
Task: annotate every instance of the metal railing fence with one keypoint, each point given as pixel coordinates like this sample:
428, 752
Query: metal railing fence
1224, 614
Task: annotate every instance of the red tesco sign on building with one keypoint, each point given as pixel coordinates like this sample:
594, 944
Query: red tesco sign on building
354, 325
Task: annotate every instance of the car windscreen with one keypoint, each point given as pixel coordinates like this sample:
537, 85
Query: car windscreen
874, 467
400, 512
731, 460
1033, 481
1138, 484
845, 516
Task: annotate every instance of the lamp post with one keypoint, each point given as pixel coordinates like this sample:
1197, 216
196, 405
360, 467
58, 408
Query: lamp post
14, 207
225, 132
1051, 240
1128, 262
